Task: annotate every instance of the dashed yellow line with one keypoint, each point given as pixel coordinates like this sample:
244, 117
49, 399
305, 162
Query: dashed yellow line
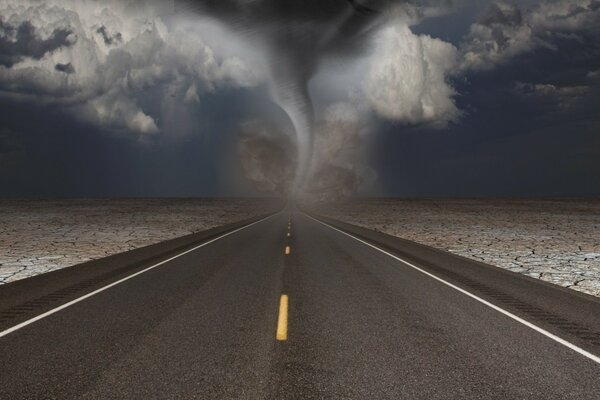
289, 234
282, 321
287, 250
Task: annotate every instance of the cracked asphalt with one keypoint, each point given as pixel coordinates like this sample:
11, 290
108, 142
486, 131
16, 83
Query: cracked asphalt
361, 325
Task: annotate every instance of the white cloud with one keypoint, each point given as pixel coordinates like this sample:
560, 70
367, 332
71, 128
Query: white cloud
407, 78
506, 31
116, 50
119, 112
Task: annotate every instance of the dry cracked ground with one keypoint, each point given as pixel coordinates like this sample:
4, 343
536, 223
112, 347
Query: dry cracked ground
557, 241
38, 236
554, 240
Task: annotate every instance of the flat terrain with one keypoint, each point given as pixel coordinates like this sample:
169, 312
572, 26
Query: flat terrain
38, 236
360, 323
553, 240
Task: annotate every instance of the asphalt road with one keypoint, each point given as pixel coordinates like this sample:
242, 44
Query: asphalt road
360, 325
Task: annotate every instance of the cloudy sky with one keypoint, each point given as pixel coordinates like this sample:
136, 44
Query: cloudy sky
236, 97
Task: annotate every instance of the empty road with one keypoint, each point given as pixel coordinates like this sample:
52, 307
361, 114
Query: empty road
292, 308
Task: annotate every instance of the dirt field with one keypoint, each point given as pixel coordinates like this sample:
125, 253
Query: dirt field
557, 241
38, 236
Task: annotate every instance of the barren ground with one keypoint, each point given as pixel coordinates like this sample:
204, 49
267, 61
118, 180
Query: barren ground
554, 240
38, 236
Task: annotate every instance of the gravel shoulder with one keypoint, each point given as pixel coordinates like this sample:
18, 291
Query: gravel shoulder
554, 240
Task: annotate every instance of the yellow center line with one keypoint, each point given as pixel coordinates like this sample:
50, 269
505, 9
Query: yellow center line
289, 234
287, 250
282, 322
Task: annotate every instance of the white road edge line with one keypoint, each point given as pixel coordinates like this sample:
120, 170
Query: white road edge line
475, 297
102, 289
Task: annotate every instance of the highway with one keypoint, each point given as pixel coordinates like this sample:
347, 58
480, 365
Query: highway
290, 307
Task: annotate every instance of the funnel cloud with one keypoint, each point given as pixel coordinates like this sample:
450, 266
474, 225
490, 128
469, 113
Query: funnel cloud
296, 36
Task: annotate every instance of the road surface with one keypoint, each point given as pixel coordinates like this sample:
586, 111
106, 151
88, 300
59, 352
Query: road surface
316, 314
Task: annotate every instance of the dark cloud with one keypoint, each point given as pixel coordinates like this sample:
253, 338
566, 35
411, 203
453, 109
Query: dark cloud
506, 15
108, 38
66, 68
549, 87
579, 12
17, 43
45, 153
299, 33
492, 155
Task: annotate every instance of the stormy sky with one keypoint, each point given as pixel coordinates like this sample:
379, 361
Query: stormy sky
232, 97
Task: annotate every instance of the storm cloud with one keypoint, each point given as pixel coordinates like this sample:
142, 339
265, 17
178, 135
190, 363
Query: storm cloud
20, 42
97, 58
344, 72
506, 31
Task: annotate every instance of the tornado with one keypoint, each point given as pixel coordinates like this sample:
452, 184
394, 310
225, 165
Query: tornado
295, 36
294, 100
289, 88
